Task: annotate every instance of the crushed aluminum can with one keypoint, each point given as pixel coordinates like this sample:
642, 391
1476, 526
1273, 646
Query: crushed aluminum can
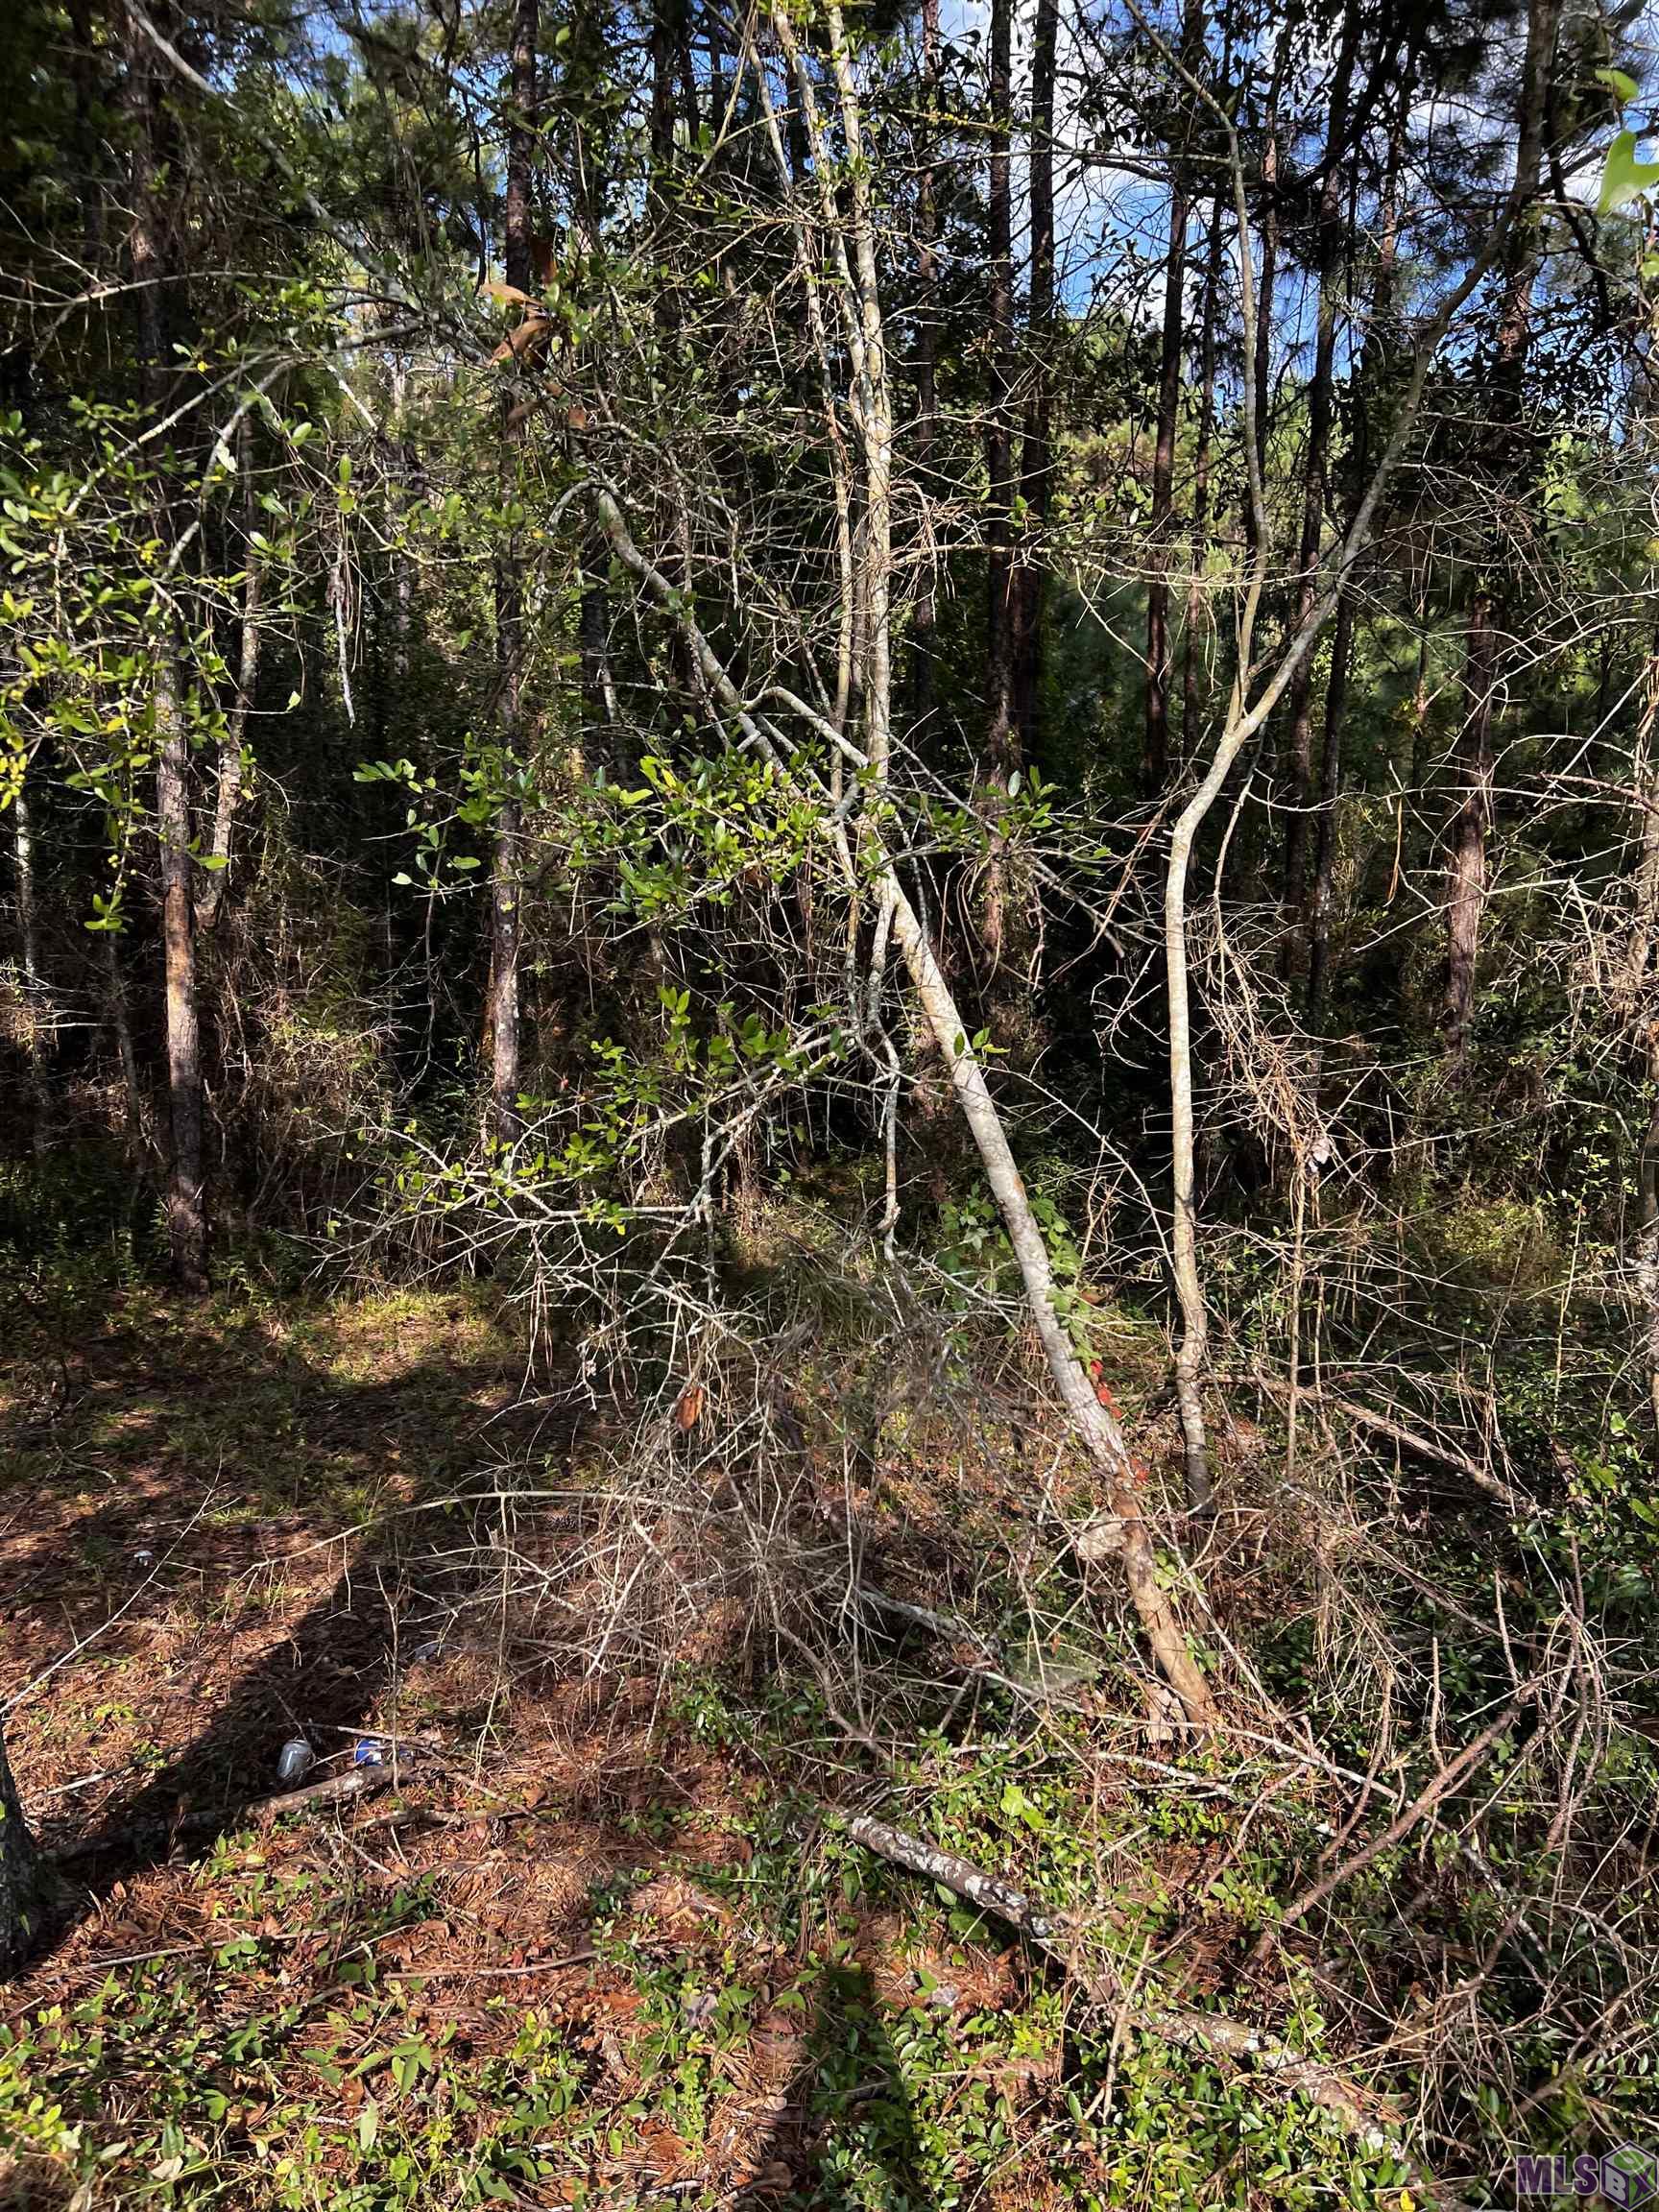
296, 1761
368, 1751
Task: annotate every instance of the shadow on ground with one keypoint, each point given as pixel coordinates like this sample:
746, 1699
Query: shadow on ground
216, 1536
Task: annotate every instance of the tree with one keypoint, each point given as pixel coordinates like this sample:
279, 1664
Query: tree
1487, 619
1171, 354
151, 280
506, 886
22, 1878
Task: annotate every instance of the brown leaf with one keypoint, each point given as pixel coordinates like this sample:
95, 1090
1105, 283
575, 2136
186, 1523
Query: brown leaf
509, 295
528, 342
690, 1410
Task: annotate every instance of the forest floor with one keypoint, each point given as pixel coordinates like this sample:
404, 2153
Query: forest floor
596, 1943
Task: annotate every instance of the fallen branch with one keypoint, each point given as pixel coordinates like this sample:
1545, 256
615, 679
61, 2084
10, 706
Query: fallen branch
338, 1789
1414, 1440
1357, 2110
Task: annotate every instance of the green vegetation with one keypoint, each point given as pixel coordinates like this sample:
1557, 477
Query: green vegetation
829, 1103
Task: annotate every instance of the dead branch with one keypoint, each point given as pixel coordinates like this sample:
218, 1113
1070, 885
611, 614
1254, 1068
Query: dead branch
1356, 2109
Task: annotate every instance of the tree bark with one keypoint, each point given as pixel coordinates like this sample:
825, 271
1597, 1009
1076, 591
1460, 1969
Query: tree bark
1488, 612
186, 1207
924, 430
1155, 767
1037, 457
37, 1028
1371, 355
22, 1878
1328, 242
1639, 961
1001, 737
1329, 788
1260, 352
506, 859
214, 878
1193, 620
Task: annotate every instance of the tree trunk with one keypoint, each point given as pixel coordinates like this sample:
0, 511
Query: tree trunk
1488, 612
214, 877
1036, 458
999, 663
925, 620
1639, 961
36, 1030
1371, 354
187, 1208
1156, 754
1330, 785
1328, 242
1193, 622
186, 1211
506, 859
1260, 349
1001, 739
22, 1878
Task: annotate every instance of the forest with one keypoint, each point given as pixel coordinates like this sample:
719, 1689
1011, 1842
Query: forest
828, 1104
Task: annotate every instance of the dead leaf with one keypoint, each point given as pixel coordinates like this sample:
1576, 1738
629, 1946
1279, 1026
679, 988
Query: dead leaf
509, 295
690, 1410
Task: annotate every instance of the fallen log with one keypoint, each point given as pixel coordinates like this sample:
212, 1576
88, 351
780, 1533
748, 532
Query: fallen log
1357, 2111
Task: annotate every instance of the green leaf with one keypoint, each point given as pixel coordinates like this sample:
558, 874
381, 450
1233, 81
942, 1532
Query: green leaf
1625, 178
1619, 82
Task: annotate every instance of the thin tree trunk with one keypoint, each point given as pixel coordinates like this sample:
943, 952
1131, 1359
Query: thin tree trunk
506, 859
922, 436
1036, 458
1639, 963
37, 1029
1260, 349
1648, 1237
1195, 621
186, 1209
1330, 785
1001, 739
1371, 353
1155, 764
1488, 614
669, 23
1327, 237
216, 873
140, 1136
